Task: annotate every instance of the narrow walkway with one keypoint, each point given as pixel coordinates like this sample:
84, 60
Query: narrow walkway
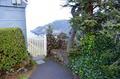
51, 70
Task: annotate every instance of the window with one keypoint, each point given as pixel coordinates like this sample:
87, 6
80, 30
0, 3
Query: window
16, 2
19, 2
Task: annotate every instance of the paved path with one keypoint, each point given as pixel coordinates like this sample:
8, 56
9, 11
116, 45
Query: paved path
51, 70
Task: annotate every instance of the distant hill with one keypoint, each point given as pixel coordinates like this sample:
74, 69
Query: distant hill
58, 27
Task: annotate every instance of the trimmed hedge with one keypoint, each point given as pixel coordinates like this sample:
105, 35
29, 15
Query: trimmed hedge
12, 48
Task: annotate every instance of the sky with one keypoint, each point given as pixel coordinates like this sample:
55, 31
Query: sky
41, 12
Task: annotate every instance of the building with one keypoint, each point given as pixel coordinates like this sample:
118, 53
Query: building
12, 14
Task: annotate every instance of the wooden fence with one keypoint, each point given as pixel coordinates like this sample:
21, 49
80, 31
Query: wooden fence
37, 45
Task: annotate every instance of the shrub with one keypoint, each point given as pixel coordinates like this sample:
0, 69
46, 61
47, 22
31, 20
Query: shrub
51, 43
12, 48
56, 43
51, 40
62, 41
95, 58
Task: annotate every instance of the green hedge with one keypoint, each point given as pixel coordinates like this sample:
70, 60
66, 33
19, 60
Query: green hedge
12, 48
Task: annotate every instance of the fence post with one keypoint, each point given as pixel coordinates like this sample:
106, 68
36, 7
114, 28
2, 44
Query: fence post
45, 44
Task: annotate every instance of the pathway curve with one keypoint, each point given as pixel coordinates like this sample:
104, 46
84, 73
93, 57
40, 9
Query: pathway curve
51, 70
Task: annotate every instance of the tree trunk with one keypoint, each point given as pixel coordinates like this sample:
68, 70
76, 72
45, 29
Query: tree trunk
90, 7
71, 40
75, 13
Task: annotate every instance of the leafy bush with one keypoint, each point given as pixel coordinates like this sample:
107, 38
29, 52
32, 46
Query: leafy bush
95, 58
62, 41
51, 43
12, 48
62, 36
55, 43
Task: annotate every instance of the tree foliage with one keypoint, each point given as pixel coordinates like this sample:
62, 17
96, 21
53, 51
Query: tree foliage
97, 26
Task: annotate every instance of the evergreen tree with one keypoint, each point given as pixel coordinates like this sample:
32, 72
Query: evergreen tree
97, 26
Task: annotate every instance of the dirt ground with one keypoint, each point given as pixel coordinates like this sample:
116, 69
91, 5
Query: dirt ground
18, 75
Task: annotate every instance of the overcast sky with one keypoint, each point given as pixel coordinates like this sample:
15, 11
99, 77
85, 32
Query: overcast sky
41, 12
